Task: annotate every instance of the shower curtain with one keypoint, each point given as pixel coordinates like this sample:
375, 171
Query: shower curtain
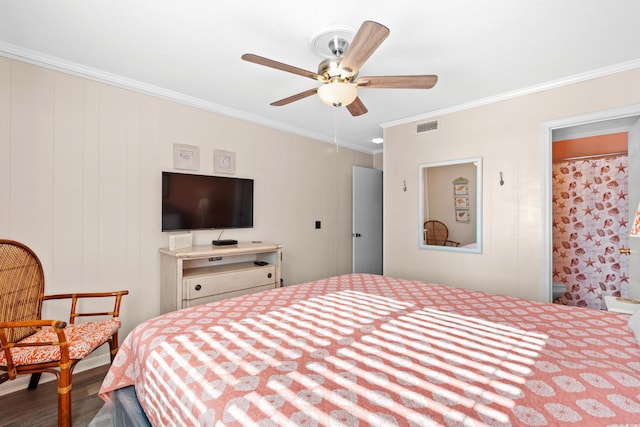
590, 225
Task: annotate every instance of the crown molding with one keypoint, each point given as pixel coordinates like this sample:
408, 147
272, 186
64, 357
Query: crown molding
47, 61
51, 62
576, 78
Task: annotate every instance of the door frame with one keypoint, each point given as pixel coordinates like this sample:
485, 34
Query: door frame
547, 129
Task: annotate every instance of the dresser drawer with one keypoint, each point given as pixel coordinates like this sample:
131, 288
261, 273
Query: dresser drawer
224, 282
218, 297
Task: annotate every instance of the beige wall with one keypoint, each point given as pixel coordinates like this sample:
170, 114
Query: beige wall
377, 161
80, 175
508, 136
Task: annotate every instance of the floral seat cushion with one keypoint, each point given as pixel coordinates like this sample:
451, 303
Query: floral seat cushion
83, 338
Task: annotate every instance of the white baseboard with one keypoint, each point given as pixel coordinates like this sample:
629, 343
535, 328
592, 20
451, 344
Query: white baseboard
22, 381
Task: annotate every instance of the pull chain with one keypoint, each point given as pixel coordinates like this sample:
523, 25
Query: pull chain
335, 127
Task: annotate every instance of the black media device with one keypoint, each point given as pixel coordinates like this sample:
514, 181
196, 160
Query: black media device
204, 202
224, 242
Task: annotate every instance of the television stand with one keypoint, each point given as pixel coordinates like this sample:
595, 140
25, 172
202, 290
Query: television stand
202, 274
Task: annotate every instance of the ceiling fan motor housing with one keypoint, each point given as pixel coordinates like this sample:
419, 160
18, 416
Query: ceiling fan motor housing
330, 69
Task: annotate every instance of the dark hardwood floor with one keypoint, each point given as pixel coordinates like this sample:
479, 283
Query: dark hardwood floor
39, 407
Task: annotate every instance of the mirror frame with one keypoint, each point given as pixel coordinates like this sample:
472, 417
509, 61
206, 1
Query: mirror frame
478, 206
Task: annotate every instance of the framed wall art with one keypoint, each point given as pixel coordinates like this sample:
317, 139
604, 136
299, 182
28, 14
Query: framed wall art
461, 187
462, 215
462, 202
186, 157
461, 199
224, 161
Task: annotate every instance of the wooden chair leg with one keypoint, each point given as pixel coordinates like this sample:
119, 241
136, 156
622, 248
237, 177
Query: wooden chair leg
64, 397
33, 382
113, 346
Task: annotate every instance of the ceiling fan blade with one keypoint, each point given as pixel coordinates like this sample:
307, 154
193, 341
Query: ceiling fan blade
366, 41
281, 66
398, 82
357, 108
295, 97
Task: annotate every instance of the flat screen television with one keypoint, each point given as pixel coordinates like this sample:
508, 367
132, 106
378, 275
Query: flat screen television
197, 202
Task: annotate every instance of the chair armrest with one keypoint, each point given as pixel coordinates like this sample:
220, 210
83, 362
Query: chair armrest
57, 326
117, 295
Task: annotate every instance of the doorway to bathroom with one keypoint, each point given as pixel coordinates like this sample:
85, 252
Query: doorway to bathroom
590, 220
593, 162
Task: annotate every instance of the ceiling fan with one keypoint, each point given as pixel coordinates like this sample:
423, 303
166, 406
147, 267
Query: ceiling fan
339, 73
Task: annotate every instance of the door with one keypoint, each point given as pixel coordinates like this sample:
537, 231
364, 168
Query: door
634, 199
367, 220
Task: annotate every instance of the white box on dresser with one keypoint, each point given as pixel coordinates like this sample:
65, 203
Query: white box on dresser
202, 274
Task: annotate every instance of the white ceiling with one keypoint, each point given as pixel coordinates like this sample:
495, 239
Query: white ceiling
190, 51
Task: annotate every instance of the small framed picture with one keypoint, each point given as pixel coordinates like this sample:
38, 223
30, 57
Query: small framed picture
224, 161
186, 157
460, 189
462, 216
462, 202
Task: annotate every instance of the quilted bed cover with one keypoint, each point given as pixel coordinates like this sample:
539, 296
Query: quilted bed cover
374, 350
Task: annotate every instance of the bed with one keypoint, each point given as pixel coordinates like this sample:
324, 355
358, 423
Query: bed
365, 349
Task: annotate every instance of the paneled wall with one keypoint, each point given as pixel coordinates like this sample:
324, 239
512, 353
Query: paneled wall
80, 183
508, 136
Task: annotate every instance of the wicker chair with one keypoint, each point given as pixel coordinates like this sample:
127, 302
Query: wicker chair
31, 345
436, 233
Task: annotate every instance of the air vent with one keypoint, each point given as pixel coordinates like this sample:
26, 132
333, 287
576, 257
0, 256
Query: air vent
426, 127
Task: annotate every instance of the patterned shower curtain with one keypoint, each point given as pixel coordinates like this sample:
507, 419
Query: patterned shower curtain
590, 225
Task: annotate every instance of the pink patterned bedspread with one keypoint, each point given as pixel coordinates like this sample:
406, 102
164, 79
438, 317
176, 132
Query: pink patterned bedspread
373, 350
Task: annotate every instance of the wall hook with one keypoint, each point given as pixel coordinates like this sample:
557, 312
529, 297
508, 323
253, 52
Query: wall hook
501, 180
404, 185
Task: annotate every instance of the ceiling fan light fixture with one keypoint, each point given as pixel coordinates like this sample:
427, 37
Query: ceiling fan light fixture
337, 94
339, 70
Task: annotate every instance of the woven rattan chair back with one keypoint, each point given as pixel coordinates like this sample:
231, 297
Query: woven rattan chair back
436, 232
21, 287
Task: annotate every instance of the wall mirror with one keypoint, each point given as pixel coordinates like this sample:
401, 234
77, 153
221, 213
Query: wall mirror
450, 203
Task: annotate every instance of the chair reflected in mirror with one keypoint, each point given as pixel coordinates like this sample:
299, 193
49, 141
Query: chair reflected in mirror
436, 233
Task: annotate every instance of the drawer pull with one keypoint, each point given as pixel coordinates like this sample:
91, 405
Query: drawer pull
198, 287
269, 275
